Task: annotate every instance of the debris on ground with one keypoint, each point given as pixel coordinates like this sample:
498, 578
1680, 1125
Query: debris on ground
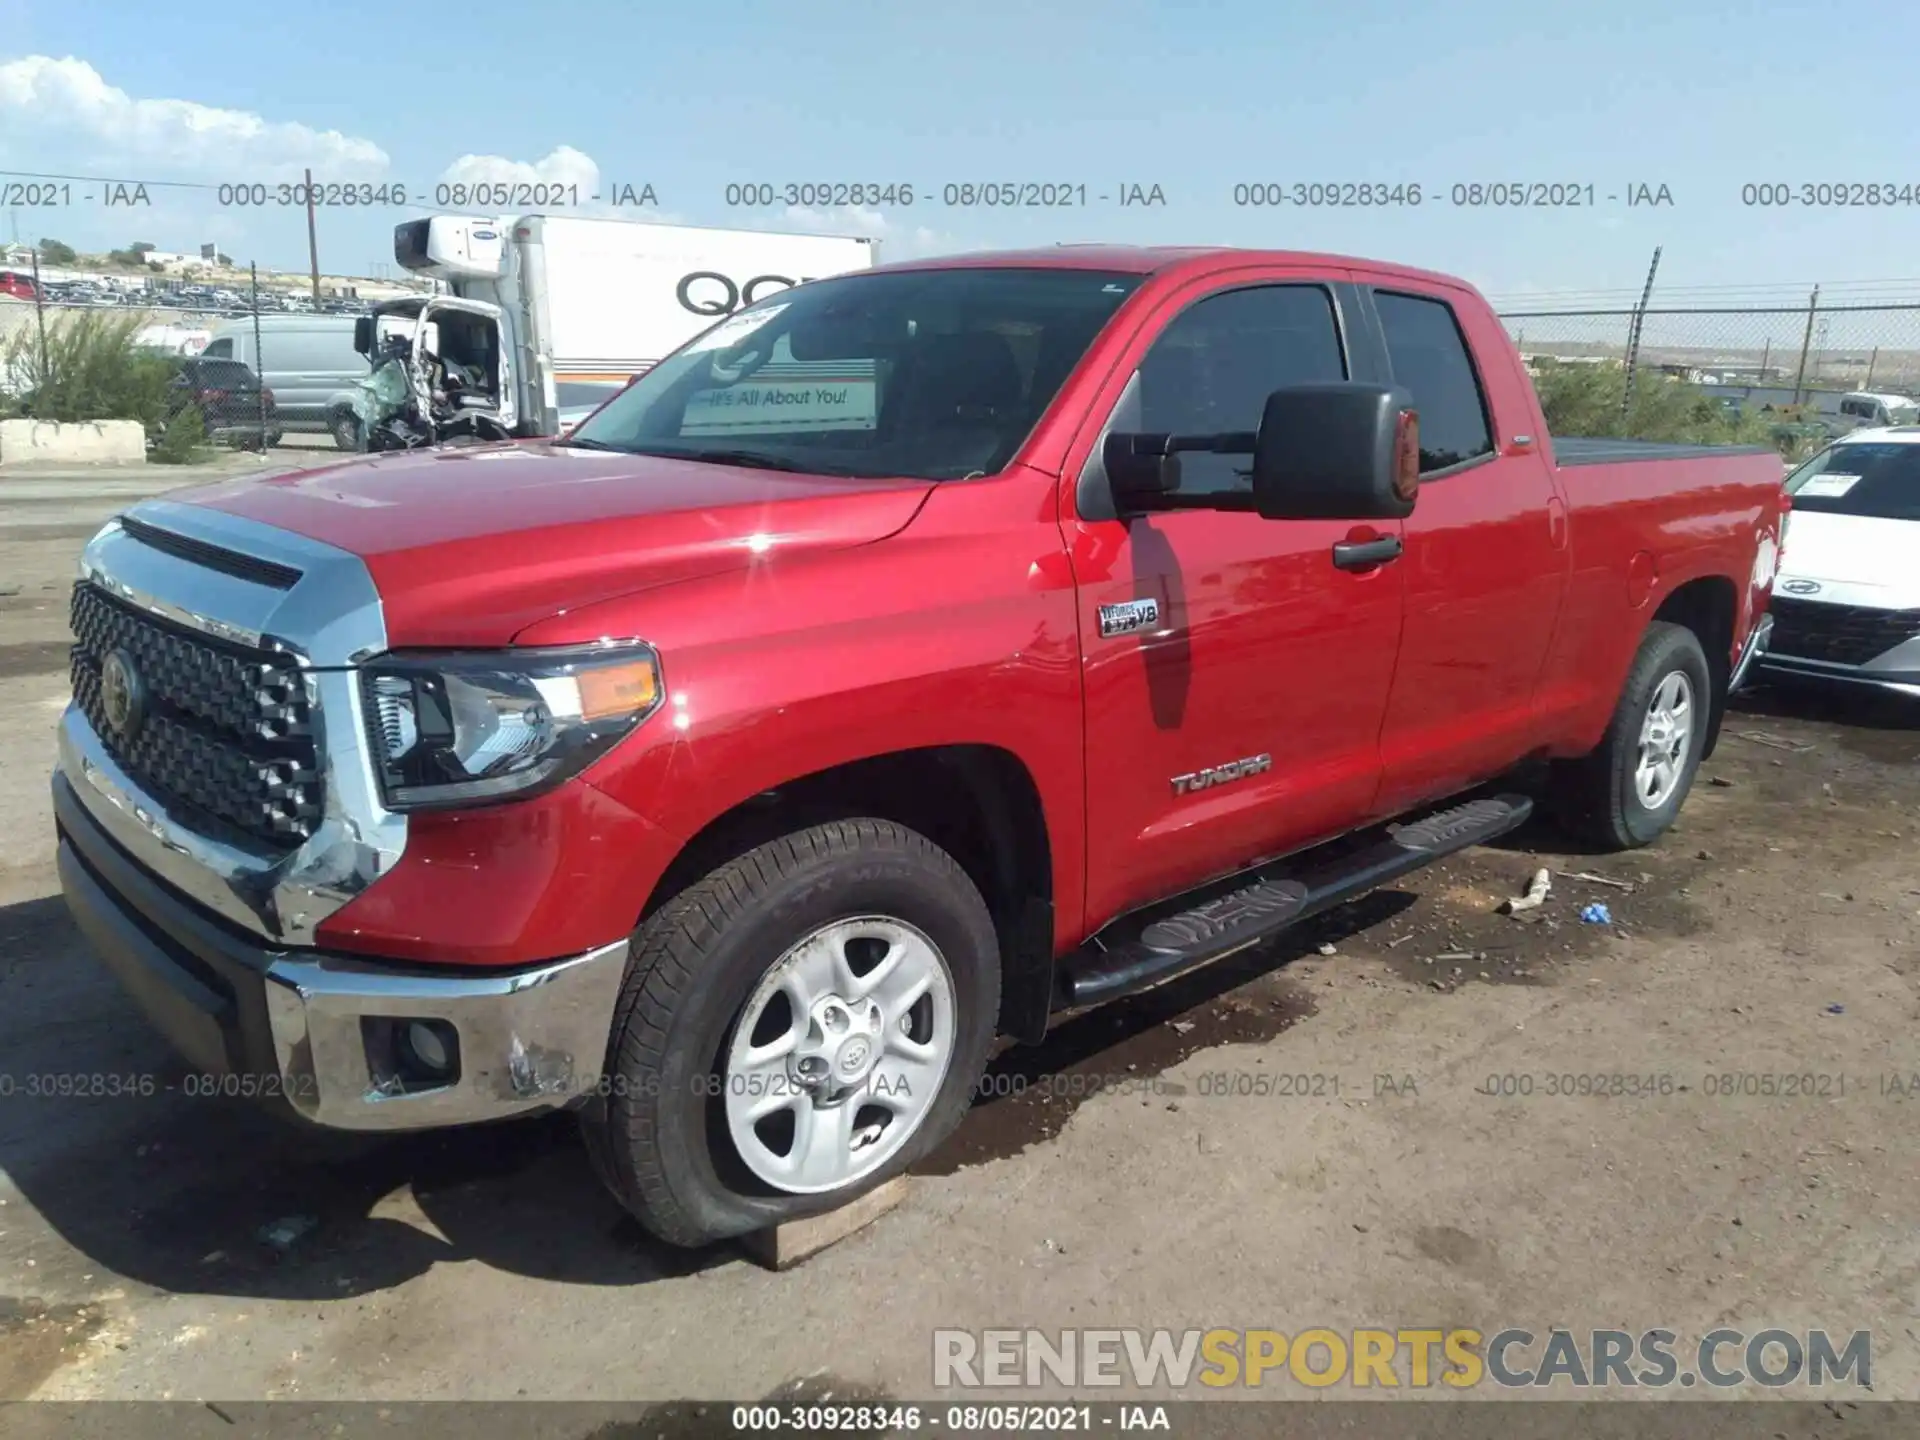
1329, 949
1596, 914
1836, 1009
1775, 742
1593, 879
1536, 895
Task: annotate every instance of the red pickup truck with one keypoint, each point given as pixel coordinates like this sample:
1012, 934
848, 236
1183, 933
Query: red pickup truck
910, 658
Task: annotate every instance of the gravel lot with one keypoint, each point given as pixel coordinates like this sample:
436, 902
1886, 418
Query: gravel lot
1774, 933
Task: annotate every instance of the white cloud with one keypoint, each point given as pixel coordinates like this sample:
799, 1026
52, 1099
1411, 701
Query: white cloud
66, 108
897, 241
563, 166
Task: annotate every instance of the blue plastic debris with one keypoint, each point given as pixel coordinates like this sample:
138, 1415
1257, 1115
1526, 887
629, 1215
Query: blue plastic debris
1836, 1009
1596, 914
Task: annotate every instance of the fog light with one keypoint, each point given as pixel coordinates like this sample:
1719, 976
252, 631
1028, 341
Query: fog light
429, 1044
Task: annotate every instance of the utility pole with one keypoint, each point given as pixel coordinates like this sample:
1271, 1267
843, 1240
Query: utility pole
1806, 342
313, 244
1633, 334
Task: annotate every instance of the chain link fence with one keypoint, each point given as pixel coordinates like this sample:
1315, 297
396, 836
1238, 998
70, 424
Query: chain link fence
258, 358
1810, 355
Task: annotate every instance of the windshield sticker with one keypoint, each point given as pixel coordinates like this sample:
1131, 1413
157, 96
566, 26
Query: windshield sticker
766, 409
1830, 486
729, 332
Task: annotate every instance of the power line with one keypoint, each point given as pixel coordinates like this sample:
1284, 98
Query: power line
111, 180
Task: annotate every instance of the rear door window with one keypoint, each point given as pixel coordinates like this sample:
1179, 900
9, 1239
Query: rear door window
224, 374
1429, 357
219, 350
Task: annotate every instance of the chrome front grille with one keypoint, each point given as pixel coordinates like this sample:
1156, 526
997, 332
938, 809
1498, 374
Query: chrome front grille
221, 732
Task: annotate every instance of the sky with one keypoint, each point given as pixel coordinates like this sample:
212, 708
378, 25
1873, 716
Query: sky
1195, 98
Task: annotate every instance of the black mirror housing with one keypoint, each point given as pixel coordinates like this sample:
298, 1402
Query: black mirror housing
1337, 451
363, 335
1141, 469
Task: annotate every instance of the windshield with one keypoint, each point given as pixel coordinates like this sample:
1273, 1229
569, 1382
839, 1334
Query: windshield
1880, 479
933, 374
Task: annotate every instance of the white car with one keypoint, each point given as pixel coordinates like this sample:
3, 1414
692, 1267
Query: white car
1846, 598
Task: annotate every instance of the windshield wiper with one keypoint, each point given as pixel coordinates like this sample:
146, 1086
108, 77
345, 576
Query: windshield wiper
575, 443
749, 459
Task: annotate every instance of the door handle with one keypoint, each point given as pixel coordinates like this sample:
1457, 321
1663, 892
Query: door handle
1362, 554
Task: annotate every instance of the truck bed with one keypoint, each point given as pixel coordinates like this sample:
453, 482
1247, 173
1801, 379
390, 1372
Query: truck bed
1570, 452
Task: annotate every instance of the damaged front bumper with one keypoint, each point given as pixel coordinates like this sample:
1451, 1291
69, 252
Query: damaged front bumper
326, 1035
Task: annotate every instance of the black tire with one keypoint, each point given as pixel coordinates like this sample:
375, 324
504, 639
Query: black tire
656, 1132
1595, 797
344, 426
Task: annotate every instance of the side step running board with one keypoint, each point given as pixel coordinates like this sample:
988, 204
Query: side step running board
1149, 947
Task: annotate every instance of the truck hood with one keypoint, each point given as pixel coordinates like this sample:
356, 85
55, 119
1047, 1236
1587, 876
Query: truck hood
470, 546
1852, 559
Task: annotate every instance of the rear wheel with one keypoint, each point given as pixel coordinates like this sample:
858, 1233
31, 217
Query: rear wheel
1628, 791
796, 1028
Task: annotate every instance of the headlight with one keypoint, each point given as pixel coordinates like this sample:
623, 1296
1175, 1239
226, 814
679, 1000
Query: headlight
466, 729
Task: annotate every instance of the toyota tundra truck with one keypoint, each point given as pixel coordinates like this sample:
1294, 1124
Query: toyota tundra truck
910, 658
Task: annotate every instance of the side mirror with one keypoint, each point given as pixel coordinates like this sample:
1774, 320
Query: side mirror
1337, 451
1141, 470
363, 335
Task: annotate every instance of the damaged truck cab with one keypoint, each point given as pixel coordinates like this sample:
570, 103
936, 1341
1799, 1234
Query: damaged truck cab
908, 659
441, 370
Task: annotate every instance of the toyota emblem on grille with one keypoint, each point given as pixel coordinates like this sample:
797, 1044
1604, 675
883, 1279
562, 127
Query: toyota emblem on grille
123, 695
1801, 587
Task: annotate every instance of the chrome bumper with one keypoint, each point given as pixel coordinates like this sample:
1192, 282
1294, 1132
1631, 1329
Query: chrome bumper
1754, 648
302, 1028
530, 1040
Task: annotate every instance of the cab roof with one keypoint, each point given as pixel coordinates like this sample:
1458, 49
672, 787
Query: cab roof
1156, 259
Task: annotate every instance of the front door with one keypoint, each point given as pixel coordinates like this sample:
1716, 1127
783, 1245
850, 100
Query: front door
1235, 677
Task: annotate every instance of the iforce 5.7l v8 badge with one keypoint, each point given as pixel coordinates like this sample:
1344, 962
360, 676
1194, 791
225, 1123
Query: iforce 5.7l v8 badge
1128, 616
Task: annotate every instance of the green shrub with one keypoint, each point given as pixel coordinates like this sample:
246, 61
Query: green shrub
1591, 401
89, 369
181, 439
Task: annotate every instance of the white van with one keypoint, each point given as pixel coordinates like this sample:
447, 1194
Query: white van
1863, 409
309, 363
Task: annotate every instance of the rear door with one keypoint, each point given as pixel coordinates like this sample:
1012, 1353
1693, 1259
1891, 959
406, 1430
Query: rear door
1235, 677
1486, 559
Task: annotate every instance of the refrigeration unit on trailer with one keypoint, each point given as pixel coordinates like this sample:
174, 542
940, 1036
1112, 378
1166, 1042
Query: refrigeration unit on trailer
587, 305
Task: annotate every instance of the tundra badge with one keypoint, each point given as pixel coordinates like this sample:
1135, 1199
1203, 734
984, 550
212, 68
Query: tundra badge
1221, 774
1127, 617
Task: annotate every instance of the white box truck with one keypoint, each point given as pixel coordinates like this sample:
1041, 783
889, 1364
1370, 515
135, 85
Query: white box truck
546, 314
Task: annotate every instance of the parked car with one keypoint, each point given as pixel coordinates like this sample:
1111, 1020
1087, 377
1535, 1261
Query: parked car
17, 286
228, 396
913, 656
1847, 602
1864, 410
308, 361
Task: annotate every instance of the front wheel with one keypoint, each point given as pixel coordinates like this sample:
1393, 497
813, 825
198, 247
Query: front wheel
344, 426
1628, 791
794, 1029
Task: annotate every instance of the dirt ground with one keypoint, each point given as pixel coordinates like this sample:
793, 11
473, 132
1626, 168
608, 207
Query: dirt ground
1152, 1165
